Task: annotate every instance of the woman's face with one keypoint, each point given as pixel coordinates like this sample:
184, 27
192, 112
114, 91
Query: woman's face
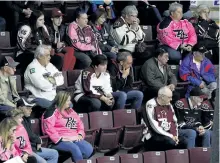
204, 14
101, 19
178, 14
12, 132
19, 119
67, 104
40, 21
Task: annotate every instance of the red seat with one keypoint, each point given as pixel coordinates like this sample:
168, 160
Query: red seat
180, 156
132, 133
108, 137
131, 158
87, 161
108, 159
154, 157
200, 155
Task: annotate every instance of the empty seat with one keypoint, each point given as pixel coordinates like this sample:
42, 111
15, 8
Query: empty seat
132, 133
148, 32
19, 86
108, 137
87, 161
90, 134
201, 155
108, 159
154, 157
131, 158
174, 156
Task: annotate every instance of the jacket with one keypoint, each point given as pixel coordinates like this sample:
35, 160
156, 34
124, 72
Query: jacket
40, 80
162, 120
125, 37
207, 32
90, 85
22, 141
82, 39
34, 139
7, 83
154, 78
6, 154
174, 34
58, 125
189, 72
118, 82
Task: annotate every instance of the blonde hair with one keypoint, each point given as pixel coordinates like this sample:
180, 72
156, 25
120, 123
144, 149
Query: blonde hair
61, 99
201, 8
5, 127
15, 112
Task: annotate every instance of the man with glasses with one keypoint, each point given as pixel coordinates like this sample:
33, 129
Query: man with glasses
9, 95
162, 129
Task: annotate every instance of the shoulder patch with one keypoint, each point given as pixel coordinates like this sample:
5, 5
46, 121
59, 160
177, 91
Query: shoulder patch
205, 106
32, 70
179, 104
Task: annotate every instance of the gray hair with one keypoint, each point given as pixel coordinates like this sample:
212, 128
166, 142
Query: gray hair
40, 50
173, 7
129, 10
201, 8
163, 90
122, 56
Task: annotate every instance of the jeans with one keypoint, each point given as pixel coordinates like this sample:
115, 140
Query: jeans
44, 103
206, 138
174, 55
82, 60
188, 136
46, 156
78, 150
134, 96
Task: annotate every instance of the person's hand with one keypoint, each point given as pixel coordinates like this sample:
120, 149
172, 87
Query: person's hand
57, 74
26, 11
38, 146
114, 50
201, 130
125, 72
188, 48
176, 139
171, 87
204, 16
107, 100
202, 85
135, 25
93, 49
183, 46
25, 157
60, 45
79, 138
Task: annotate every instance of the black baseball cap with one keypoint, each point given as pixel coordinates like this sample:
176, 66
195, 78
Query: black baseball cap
22, 102
196, 92
200, 48
8, 61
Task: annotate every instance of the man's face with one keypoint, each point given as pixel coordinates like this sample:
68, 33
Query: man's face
26, 111
82, 21
128, 63
101, 68
10, 70
178, 14
197, 100
198, 56
166, 99
163, 58
45, 59
131, 18
57, 20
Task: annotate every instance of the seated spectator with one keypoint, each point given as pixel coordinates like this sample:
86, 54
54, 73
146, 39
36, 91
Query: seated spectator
41, 77
178, 35
66, 133
9, 95
102, 31
94, 91
128, 34
122, 79
43, 155
199, 71
83, 39
31, 35
207, 32
191, 115
57, 33
155, 73
163, 128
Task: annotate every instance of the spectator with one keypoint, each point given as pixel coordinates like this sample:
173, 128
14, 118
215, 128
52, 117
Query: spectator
207, 32
93, 89
155, 73
163, 130
9, 95
199, 71
122, 79
191, 115
127, 32
67, 133
2, 24
29, 37
102, 31
57, 33
41, 77
177, 35
82, 38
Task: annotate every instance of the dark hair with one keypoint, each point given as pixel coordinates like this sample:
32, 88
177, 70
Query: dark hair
33, 18
99, 60
79, 11
160, 51
98, 13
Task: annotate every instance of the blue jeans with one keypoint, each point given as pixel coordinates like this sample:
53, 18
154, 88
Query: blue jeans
188, 136
44, 103
46, 156
174, 55
134, 96
206, 138
78, 150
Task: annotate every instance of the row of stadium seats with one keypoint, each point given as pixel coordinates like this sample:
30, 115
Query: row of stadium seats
194, 155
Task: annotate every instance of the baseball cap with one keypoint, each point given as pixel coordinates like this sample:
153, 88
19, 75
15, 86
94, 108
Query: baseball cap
196, 92
200, 48
56, 13
22, 102
8, 61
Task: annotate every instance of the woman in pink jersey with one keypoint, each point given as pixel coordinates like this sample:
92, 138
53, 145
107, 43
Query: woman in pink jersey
65, 128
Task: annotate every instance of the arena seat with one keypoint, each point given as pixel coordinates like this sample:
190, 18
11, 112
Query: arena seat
108, 159
108, 136
201, 155
65, 84
47, 6
19, 85
87, 161
148, 32
72, 76
131, 158
154, 157
174, 156
132, 133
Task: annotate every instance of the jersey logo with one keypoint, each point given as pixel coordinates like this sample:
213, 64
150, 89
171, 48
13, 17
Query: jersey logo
162, 118
71, 123
180, 34
189, 121
22, 142
179, 104
98, 89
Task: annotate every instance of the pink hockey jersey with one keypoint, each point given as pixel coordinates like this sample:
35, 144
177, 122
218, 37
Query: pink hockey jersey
58, 125
173, 33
